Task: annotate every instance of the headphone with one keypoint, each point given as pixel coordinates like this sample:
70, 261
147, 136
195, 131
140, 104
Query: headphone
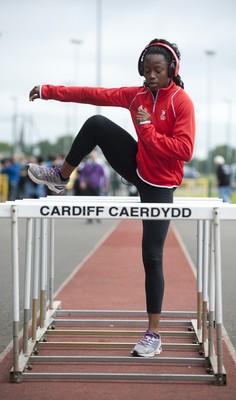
173, 69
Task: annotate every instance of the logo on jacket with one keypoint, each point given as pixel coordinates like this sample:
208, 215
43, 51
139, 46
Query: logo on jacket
163, 115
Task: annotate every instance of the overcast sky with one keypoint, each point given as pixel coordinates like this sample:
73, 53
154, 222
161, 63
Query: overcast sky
36, 48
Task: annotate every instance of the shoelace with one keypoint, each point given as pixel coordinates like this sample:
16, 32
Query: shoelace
147, 339
51, 171
57, 169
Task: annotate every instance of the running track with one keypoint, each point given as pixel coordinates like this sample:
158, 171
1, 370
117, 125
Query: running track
112, 278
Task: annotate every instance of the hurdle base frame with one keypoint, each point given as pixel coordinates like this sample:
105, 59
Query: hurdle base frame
26, 361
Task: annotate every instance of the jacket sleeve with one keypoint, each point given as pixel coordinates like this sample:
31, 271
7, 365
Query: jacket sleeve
180, 144
117, 97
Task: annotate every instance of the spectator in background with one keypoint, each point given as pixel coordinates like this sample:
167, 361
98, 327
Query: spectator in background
223, 175
115, 181
12, 169
93, 178
77, 191
23, 176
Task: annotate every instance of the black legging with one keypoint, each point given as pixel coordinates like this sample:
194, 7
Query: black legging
120, 149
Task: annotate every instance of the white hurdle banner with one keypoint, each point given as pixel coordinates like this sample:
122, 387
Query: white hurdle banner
40, 215
95, 207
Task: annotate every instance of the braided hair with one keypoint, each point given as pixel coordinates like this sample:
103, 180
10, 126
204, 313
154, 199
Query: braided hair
167, 55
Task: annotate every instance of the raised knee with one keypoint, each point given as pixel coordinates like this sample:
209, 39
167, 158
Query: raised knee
96, 119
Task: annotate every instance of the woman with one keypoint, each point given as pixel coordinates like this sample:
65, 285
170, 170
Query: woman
163, 116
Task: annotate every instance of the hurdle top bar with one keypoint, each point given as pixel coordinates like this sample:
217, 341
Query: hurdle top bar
109, 207
124, 199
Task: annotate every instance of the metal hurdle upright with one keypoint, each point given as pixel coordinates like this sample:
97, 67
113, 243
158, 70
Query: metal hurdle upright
39, 215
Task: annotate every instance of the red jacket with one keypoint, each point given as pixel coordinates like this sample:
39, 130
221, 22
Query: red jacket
164, 143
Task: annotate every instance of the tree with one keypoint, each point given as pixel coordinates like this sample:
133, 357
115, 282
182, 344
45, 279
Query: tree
226, 151
64, 143
5, 149
44, 149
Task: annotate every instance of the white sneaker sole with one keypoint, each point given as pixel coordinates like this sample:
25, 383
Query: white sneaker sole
135, 353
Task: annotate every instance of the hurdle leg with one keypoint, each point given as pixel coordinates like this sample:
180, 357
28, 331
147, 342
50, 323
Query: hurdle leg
35, 277
218, 297
199, 273
43, 269
205, 285
15, 287
28, 258
211, 294
51, 262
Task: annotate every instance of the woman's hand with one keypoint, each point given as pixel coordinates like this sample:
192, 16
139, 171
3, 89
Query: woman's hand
142, 115
34, 93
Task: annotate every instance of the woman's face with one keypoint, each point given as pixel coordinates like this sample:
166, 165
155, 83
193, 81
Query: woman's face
156, 72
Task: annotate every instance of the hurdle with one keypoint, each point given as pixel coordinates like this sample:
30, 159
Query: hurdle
40, 215
203, 246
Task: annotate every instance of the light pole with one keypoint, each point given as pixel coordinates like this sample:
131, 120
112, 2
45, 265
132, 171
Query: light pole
14, 122
228, 130
210, 54
76, 43
99, 45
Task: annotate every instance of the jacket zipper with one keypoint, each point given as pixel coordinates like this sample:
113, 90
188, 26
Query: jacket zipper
154, 99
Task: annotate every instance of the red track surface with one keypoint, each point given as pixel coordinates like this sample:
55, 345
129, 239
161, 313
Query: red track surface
113, 278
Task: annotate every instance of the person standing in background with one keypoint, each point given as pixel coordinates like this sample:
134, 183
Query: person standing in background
12, 168
93, 178
223, 176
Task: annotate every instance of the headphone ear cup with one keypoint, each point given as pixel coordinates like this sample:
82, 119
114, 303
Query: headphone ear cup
172, 70
140, 68
140, 64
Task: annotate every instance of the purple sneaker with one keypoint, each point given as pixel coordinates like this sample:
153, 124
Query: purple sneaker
47, 176
148, 346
